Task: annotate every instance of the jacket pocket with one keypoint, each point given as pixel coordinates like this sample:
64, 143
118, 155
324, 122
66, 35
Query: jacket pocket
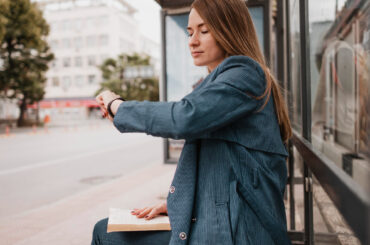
223, 224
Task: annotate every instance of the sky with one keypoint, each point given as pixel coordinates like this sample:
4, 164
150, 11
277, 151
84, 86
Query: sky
148, 16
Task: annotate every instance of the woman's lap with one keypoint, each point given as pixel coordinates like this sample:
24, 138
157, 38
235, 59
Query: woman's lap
101, 237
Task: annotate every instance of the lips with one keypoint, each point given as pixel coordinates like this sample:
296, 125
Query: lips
196, 53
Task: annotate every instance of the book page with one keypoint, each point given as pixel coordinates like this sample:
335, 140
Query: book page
123, 220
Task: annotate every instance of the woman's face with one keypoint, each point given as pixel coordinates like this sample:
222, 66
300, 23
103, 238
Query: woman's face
203, 46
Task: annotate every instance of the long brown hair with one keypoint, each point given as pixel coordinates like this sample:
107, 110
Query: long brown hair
231, 25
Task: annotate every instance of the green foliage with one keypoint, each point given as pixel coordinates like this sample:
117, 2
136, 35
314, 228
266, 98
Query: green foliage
24, 52
128, 88
3, 6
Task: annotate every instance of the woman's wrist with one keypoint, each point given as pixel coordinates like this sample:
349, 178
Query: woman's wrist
114, 106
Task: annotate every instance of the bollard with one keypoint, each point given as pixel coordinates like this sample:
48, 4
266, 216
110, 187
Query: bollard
34, 129
7, 131
46, 129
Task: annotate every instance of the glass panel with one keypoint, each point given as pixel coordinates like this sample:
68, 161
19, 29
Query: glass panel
340, 84
181, 73
295, 61
257, 17
340, 90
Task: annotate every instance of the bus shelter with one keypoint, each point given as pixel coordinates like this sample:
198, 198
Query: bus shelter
320, 53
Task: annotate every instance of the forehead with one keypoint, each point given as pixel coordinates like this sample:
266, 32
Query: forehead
194, 19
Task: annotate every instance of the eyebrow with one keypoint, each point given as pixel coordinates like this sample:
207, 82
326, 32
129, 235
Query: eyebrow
189, 28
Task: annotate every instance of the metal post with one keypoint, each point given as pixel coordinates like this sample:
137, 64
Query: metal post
267, 20
164, 77
281, 43
291, 186
289, 99
306, 116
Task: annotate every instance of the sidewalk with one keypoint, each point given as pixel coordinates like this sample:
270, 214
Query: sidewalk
71, 220
74, 125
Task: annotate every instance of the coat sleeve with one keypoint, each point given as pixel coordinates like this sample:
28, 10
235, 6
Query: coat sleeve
213, 106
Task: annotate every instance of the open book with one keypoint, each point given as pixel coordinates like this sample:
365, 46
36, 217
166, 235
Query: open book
123, 220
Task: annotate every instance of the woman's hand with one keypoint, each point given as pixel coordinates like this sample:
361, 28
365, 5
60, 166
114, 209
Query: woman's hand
150, 212
103, 99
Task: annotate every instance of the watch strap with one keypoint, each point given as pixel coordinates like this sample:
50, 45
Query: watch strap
110, 104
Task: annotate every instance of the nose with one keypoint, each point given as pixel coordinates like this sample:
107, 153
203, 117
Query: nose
193, 40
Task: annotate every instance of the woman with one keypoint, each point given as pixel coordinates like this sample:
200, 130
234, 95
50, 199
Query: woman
229, 183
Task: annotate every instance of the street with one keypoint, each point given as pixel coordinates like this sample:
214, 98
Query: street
38, 169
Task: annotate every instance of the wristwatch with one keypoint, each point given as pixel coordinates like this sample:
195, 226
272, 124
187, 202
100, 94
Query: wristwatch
110, 104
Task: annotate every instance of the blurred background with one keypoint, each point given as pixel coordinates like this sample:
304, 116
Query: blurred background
62, 166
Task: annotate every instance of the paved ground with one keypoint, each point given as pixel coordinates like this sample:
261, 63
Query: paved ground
71, 220
57, 184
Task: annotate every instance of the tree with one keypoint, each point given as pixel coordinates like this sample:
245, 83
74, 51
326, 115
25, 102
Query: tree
24, 52
2, 20
137, 88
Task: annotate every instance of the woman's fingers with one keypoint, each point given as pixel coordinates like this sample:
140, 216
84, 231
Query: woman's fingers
104, 111
143, 213
150, 212
138, 211
153, 213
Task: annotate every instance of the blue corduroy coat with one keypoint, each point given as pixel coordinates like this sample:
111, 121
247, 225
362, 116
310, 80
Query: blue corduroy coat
229, 183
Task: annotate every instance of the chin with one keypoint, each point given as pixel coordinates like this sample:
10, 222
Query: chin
198, 62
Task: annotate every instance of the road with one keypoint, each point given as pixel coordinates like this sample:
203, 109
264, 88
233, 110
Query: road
37, 169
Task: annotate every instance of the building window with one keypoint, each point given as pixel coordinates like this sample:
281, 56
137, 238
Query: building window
69, 25
90, 41
66, 43
54, 44
92, 79
128, 72
77, 42
104, 20
79, 81
91, 60
59, 26
66, 62
55, 81
103, 40
134, 72
146, 71
54, 63
90, 23
78, 61
78, 24
66, 82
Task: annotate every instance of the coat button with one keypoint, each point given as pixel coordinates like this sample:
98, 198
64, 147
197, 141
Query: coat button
172, 189
193, 219
182, 235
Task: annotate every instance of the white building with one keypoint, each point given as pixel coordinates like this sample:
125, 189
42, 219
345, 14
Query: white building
83, 33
